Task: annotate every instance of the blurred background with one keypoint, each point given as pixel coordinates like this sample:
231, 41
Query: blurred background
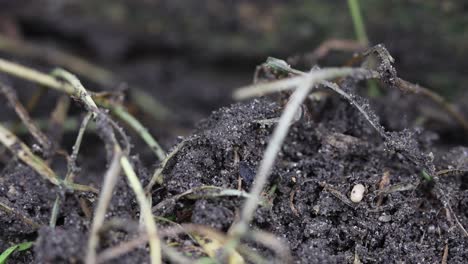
190, 55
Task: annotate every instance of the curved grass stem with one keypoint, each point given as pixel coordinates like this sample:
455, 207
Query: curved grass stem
275, 143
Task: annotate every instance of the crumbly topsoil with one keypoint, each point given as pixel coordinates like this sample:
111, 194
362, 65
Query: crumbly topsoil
320, 162
329, 149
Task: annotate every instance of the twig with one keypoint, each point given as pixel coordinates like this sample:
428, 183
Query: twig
383, 183
291, 202
128, 246
326, 47
40, 137
337, 194
445, 255
211, 192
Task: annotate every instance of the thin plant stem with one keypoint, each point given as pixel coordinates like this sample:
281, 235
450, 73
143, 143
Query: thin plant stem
68, 88
403, 85
110, 180
83, 95
71, 167
85, 68
55, 211
155, 244
21, 111
274, 146
25, 154
358, 23
35, 76
76, 148
130, 120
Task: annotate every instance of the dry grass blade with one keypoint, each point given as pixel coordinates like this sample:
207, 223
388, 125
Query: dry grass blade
205, 192
106, 128
155, 244
76, 148
445, 254
68, 88
404, 85
270, 241
444, 104
110, 180
82, 67
124, 115
25, 154
79, 91
72, 86
121, 249
276, 141
71, 167
260, 89
35, 76
40, 137
212, 247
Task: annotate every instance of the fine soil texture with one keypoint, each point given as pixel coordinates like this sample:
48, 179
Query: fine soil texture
361, 177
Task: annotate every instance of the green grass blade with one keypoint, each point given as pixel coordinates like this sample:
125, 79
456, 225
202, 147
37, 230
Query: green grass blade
20, 247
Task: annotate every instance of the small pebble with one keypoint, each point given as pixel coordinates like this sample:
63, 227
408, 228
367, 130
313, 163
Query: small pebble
357, 193
385, 218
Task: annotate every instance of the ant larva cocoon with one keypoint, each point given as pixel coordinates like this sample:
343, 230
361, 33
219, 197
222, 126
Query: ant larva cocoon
357, 193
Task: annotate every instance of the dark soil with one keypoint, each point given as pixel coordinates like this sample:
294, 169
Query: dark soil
328, 150
337, 150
